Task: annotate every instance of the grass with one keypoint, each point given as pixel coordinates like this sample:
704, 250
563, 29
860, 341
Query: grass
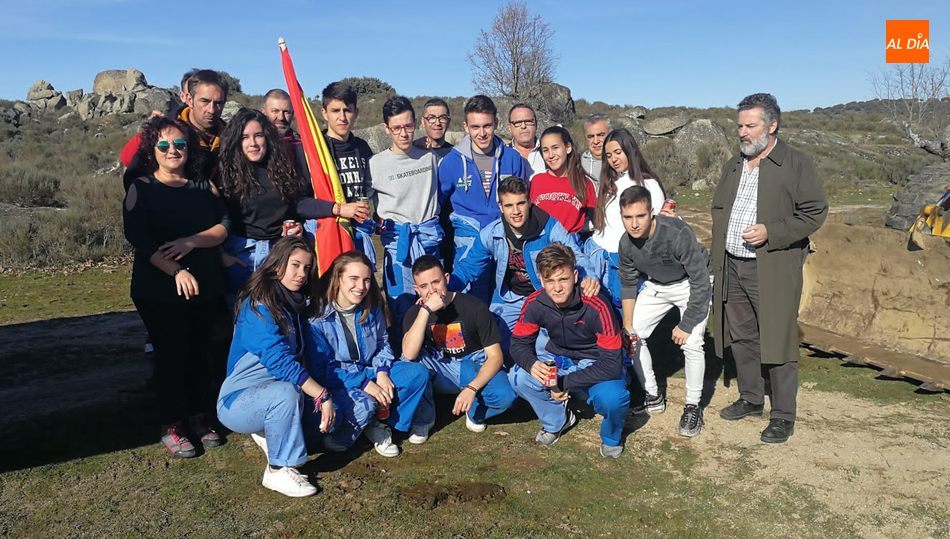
97, 469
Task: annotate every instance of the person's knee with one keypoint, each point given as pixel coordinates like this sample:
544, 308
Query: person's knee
413, 375
611, 399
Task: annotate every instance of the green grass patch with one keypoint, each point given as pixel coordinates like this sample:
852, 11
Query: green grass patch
40, 296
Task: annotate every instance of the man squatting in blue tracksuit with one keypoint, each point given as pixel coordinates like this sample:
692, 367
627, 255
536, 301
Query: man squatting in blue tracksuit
512, 244
584, 341
457, 339
469, 177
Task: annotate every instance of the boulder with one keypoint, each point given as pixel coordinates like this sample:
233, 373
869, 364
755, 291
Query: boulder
636, 112
664, 126
154, 98
73, 97
230, 109
922, 188
702, 147
634, 127
116, 81
375, 136
40, 91
86, 106
555, 106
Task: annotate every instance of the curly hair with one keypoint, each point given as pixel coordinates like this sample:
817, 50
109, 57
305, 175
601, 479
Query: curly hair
236, 173
152, 130
637, 168
261, 287
328, 286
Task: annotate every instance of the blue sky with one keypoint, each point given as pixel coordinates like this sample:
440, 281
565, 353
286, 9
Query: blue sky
808, 53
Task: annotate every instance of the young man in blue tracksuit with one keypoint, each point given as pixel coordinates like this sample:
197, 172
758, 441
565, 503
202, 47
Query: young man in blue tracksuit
512, 244
585, 345
457, 339
405, 193
469, 177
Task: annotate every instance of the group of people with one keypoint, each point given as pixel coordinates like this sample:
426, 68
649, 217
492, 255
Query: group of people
524, 270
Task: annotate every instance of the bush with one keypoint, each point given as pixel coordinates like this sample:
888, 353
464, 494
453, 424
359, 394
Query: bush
24, 185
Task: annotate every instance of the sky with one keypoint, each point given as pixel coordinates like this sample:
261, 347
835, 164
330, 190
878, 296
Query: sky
690, 53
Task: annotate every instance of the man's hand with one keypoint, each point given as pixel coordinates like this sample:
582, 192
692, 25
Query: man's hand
435, 302
296, 230
560, 395
386, 384
755, 235
539, 371
463, 403
377, 393
679, 336
355, 210
590, 287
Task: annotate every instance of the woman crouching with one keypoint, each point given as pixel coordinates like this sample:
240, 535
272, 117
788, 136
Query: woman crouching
371, 391
262, 394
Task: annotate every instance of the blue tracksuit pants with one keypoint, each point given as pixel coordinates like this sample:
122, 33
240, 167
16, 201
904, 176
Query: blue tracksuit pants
610, 399
449, 376
273, 408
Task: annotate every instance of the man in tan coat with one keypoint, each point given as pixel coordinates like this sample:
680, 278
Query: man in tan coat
768, 201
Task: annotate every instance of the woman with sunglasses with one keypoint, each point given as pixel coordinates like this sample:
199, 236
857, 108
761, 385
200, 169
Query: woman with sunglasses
563, 190
623, 166
263, 190
263, 393
175, 221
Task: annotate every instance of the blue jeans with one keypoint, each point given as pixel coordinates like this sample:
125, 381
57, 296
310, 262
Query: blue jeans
449, 376
273, 408
355, 408
609, 398
250, 251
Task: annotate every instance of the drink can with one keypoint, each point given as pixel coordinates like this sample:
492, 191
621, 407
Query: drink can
669, 204
551, 379
382, 411
288, 225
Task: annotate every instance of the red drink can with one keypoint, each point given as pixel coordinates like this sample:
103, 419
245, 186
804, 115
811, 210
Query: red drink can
288, 225
551, 380
669, 204
382, 411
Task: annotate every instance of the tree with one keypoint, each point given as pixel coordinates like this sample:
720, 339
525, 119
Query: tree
513, 59
917, 97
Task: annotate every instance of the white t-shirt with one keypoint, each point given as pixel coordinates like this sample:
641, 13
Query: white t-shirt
609, 239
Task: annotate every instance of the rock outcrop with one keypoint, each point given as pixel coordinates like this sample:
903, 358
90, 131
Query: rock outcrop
664, 126
703, 146
922, 188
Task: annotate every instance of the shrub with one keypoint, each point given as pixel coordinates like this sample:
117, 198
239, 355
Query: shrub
24, 185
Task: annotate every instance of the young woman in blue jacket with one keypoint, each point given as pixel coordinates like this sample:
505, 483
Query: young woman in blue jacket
266, 381
372, 392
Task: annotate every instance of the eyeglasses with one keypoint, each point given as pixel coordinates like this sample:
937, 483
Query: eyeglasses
521, 124
432, 118
408, 128
163, 146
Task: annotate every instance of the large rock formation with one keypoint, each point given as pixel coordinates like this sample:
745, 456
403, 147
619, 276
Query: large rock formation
703, 146
664, 126
119, 81
43, 97
922, 188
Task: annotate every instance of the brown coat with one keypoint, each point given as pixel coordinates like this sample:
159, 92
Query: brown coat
792, 205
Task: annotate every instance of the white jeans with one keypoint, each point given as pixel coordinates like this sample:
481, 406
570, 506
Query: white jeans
653, 302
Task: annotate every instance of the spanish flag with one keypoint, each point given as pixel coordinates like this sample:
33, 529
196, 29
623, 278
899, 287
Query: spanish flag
332, 237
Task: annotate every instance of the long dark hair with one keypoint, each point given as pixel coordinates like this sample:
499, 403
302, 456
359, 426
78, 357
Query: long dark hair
637, 168
575, 172
152, 130
328, 286
261, 287
237, 173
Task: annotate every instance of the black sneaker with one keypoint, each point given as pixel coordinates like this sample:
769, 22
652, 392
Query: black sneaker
739, 409
655, 404
691, 422
778, 431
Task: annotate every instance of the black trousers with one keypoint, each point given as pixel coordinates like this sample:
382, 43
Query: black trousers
189, 354
742, 312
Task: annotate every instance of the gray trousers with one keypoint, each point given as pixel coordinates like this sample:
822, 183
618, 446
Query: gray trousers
742, 310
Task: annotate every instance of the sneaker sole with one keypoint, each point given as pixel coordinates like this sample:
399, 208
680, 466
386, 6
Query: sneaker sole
289, 494
617, 456
656, 409
687, 434
384, 454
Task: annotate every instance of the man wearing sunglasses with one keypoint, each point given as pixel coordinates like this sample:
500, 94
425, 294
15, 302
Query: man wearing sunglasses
523, 125
205, 98
435, 122
405, 193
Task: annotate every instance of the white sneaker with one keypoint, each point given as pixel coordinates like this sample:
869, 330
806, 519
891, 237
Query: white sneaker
260, 441
419, 434
288, 481
473, 426
382, 439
